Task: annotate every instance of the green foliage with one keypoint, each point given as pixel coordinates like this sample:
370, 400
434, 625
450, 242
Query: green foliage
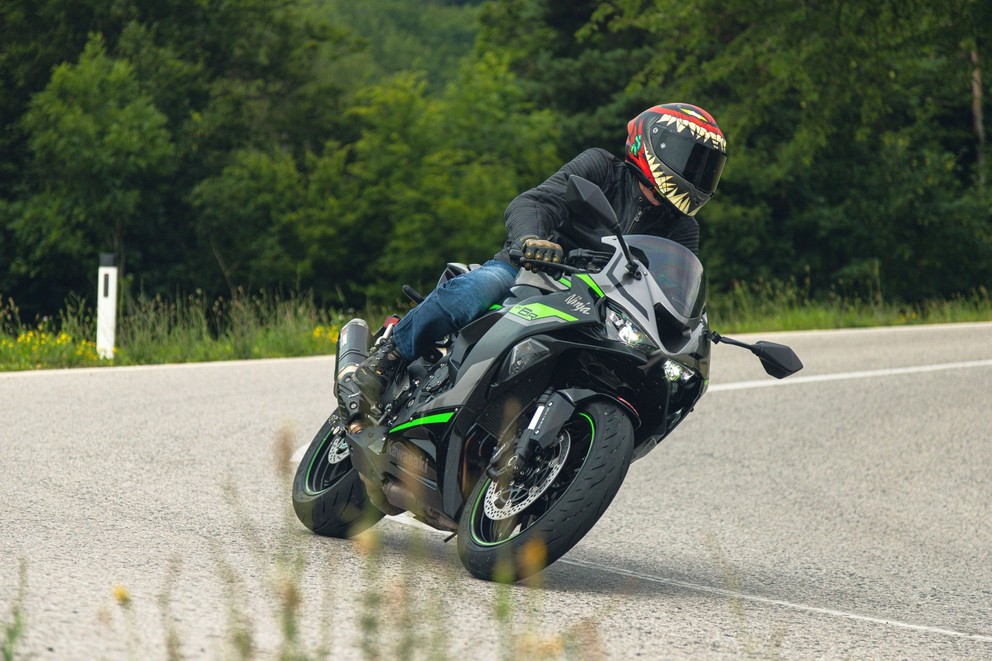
149, 101
581, 69
848, 125
429, 36
99, 147
247, 218
437, 181
347, 148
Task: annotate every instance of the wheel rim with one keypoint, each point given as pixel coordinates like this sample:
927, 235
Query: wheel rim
492, 524
330, 463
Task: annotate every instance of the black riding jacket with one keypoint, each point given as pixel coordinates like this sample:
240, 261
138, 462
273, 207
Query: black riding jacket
540, 211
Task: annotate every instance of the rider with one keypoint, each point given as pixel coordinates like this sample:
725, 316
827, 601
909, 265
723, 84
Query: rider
674, 157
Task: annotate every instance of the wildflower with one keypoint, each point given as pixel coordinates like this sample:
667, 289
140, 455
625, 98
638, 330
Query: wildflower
122, 596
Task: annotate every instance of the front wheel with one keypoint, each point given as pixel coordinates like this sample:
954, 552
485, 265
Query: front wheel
508, 532
328, 495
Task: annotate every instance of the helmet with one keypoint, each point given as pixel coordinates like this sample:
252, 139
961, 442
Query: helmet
677, 150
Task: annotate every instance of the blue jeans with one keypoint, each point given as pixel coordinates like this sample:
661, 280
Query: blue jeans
453, 305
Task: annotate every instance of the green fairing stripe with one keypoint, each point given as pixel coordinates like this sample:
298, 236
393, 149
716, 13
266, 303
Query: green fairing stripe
565, 281
535, 311
589, 281
495, 306
437, 418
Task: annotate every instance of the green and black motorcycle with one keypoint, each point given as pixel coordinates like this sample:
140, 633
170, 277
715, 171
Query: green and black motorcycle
516, 433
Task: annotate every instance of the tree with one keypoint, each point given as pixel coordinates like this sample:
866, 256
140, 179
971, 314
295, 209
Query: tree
577, 67
99, 148
216, 79
437, 175
848, 128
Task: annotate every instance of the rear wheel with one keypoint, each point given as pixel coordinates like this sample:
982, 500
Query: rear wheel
328, 495
510, 531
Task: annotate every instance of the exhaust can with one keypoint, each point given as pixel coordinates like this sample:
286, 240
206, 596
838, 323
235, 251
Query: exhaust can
353, 348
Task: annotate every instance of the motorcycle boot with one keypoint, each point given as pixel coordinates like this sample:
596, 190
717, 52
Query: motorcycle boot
377, 371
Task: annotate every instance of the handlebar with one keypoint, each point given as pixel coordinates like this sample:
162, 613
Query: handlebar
517, 257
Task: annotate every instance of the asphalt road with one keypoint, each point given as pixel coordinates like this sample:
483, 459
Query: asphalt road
844, 513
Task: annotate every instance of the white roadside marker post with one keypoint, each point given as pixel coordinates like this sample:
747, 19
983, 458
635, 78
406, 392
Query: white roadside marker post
106, 307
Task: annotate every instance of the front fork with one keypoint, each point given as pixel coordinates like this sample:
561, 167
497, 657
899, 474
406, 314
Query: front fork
554, 409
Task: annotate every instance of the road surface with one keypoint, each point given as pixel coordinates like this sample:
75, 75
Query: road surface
843, 513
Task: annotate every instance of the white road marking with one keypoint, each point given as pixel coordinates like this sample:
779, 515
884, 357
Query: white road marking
909, 328
841, 376
776, 602
207, 364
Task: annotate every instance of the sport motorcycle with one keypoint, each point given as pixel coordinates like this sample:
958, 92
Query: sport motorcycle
516, 432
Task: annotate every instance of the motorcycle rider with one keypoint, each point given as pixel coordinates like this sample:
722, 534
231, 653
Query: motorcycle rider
675, 155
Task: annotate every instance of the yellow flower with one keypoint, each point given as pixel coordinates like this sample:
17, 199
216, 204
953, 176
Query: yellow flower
122, 596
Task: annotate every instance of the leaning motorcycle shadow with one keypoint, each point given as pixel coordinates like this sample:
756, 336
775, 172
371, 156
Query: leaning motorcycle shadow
587, 572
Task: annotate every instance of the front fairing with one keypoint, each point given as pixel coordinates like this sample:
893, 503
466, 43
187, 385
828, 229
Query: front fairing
667, 302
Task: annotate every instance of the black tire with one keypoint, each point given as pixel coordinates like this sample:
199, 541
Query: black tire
329, 498
511, 549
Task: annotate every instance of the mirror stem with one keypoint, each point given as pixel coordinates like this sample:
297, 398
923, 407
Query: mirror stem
716, 338
631, 266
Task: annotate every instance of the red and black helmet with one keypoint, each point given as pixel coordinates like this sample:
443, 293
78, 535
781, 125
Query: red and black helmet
678, 150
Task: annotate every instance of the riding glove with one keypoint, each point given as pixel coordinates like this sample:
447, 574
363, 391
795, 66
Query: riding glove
543, 251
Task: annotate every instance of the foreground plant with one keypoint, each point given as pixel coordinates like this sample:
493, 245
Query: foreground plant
13, 628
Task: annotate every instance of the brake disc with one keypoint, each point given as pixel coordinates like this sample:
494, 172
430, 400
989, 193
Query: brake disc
339, 450
521, 493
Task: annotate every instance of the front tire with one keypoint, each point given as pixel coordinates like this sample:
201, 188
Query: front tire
586, 470
328, 495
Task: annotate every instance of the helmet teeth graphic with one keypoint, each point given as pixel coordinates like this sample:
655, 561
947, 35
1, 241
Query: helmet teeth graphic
681, 202
668, 186
680, 125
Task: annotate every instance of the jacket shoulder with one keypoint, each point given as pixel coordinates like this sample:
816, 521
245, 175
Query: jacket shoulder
596, 165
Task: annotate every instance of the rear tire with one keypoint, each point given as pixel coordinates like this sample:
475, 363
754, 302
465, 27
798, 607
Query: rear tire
598, 442
328, 495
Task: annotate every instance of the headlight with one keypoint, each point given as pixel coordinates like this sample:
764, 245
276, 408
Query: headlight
676, 371
620, 327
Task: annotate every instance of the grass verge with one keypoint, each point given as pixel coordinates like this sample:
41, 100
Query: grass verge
194, 328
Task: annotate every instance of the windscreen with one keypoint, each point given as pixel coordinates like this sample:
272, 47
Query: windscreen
676, 270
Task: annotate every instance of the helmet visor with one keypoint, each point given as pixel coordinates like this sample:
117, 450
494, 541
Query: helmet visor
699, 164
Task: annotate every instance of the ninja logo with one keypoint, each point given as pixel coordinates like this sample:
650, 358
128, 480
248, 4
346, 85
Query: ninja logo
576, 303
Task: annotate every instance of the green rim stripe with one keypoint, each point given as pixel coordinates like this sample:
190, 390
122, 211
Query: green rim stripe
495, 306
589, 281
313, 460
437, 418
485, 487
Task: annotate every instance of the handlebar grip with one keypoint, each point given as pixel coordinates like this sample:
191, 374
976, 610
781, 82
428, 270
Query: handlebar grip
517, 257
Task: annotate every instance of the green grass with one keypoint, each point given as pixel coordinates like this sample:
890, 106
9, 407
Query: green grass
264, 325
787, 307
188, 329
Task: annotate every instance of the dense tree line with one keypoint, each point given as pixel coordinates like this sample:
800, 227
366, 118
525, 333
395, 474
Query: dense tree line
350, 147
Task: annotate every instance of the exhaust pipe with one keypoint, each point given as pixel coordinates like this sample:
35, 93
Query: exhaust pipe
353, 348
399, 495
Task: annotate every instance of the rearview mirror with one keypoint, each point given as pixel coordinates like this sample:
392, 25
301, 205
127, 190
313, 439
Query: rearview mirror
778, 360
588, 201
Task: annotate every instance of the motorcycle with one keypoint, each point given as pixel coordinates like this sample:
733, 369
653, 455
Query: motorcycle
516, 432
